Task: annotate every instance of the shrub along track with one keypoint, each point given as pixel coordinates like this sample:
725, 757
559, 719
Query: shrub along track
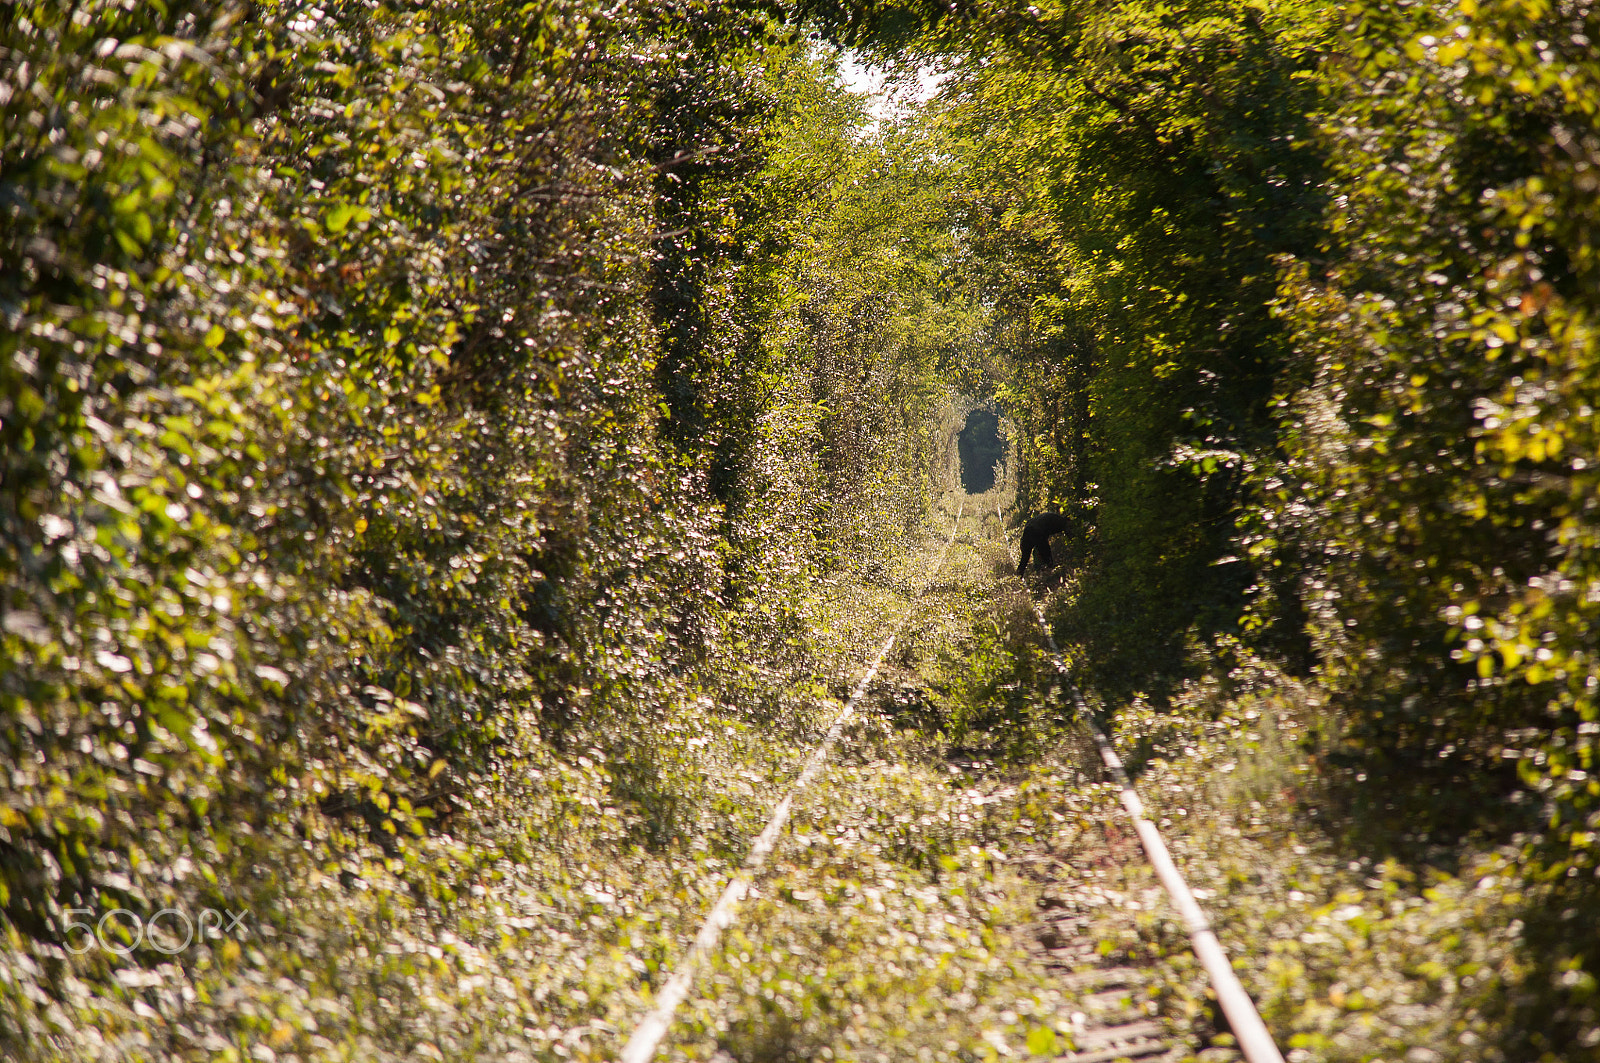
960, 893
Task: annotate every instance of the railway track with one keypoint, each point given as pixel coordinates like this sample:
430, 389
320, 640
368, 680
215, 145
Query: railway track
1109, 1014
1118, 1035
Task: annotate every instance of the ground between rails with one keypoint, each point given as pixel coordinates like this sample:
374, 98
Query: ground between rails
914, 909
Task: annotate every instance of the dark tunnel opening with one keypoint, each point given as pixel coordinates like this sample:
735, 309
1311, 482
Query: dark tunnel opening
981, 447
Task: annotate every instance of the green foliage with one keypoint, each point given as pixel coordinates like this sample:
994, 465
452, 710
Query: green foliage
997, 683
351, 572
859, 329
1440, 448
1131, 172
1439, 489
1349, 956
1295, 306
436, 440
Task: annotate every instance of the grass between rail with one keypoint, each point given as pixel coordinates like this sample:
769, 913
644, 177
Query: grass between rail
892, 924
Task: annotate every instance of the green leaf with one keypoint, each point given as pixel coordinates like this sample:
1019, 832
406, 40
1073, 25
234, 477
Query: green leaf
339, 217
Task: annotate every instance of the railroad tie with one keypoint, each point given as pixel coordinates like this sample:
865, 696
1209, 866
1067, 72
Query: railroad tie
1106, 1013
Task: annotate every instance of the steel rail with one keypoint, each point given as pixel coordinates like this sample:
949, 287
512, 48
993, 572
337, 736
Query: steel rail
1255, 1041
641, 1047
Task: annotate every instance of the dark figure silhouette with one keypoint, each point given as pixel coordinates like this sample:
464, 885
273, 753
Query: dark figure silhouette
981, 447
1036, 538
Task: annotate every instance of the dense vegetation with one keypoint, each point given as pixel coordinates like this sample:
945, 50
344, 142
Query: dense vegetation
1298, 300
369, 562
433, 435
